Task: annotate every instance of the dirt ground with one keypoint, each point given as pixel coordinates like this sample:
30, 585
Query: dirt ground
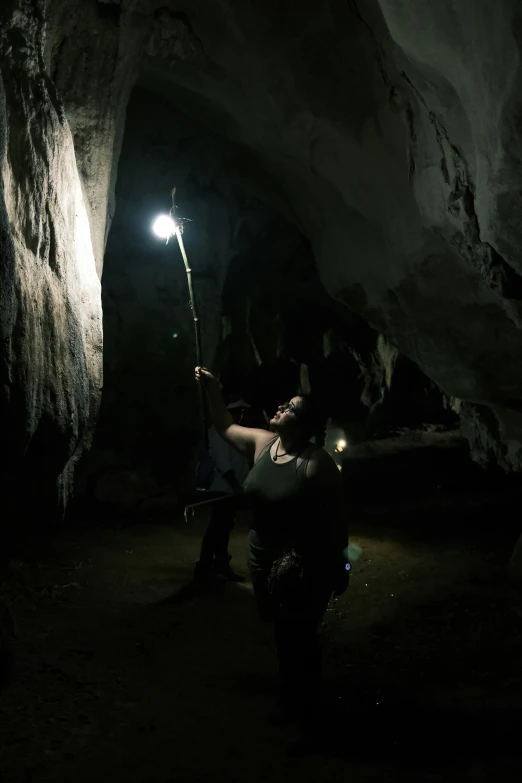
126, 673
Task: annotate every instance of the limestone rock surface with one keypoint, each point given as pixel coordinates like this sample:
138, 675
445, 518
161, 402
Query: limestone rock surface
50, 314
66, 72
393, 136
390, 138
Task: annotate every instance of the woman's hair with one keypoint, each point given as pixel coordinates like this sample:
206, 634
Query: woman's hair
311, 418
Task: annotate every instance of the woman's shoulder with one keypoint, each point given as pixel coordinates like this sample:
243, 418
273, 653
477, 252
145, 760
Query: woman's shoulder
264, 438
321, 465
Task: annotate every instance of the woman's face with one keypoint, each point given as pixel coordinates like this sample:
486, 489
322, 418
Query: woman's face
287, 415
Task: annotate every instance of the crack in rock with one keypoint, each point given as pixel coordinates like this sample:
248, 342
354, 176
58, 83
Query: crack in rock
481, 256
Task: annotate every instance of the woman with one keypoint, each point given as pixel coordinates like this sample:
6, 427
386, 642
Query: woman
298, 538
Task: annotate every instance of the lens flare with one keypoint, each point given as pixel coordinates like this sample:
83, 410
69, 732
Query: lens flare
353, 552
164, 227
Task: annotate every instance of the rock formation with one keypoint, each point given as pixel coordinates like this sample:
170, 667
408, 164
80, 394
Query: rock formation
50, 315
388, 137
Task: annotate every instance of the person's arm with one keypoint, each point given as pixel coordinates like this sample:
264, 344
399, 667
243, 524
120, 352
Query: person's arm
246, 440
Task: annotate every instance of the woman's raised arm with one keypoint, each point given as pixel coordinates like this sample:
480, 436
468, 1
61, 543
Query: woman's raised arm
247, 440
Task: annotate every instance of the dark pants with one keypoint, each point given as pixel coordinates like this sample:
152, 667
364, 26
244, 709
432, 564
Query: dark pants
297, 642
215, 541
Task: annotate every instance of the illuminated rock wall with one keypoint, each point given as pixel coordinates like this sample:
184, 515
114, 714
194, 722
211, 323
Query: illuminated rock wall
395, 144
50, 315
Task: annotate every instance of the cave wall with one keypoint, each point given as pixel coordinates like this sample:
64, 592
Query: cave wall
264, 314
394, 141
50, 315
374, 122
94, 52
66, 71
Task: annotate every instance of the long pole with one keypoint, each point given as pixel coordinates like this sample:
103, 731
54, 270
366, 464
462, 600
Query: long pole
197, 329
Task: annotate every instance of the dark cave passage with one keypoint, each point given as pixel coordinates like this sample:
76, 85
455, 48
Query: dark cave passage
265, 317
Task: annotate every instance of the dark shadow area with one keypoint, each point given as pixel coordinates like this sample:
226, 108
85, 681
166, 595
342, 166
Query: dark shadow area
392, 727
439, 685
266, 319
190, 592
424, 482
122, 659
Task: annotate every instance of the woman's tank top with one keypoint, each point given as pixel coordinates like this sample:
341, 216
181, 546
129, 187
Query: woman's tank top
284, 508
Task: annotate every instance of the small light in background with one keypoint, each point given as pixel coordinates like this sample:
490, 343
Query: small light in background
174, 336
335, 443
164, 227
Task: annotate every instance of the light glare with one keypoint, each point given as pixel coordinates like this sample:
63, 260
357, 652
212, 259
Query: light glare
164, 227
341, 444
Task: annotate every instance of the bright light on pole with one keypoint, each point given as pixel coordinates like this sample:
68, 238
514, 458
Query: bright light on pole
164, 227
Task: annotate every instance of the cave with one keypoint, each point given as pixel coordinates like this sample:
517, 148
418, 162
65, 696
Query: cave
347, 190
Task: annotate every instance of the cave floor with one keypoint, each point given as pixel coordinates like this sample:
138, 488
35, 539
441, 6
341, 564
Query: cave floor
125, 673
